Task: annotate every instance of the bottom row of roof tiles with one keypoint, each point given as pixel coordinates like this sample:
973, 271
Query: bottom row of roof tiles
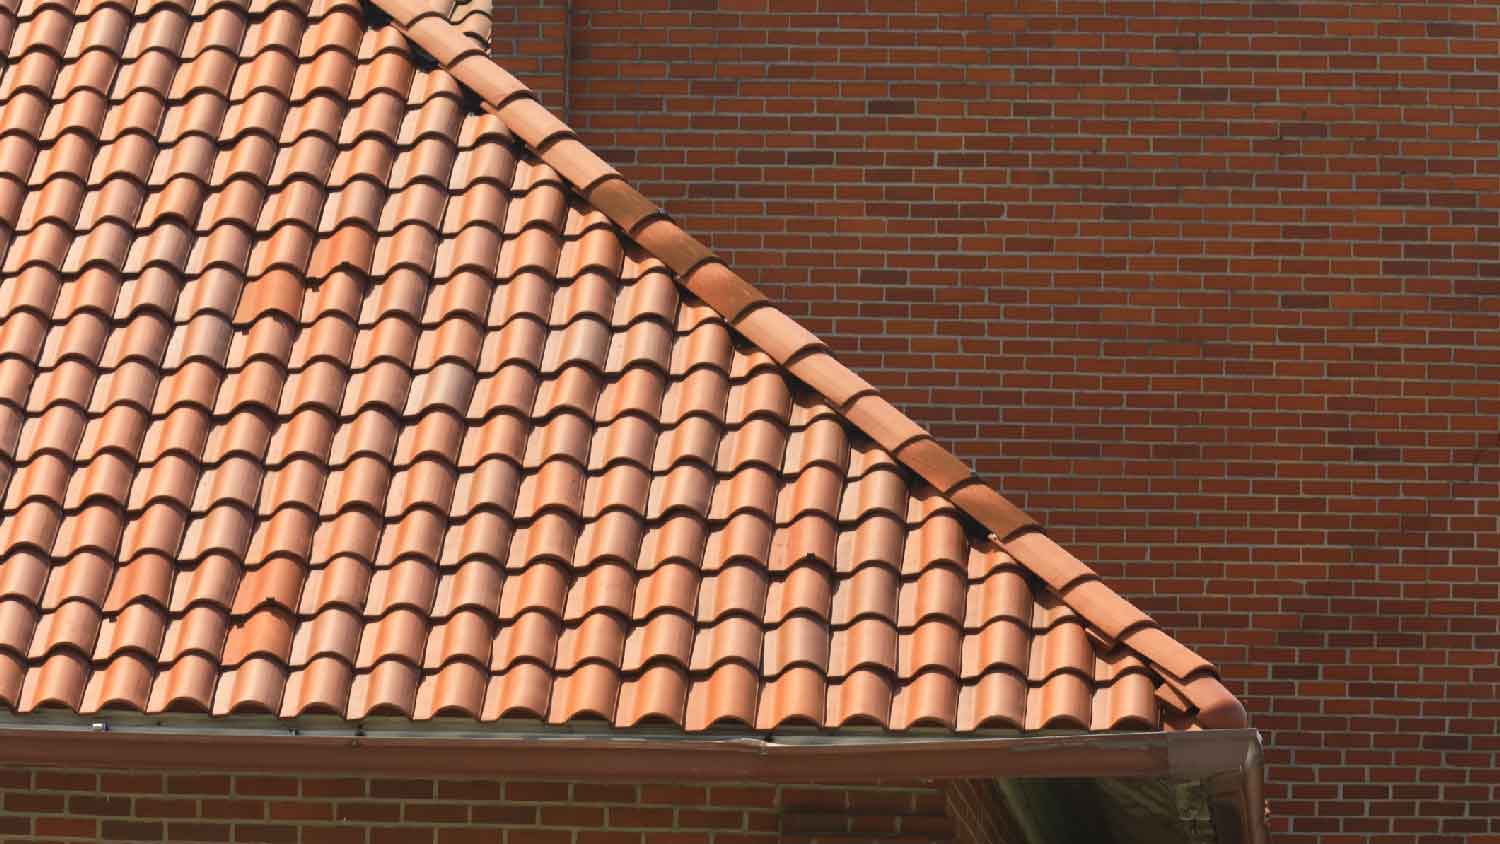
1008, 660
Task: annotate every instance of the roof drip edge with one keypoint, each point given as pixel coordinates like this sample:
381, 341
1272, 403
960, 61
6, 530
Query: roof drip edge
464, 748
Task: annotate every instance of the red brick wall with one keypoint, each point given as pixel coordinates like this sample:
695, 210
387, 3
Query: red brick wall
979, 813
532, 36
84, 806
1212, 289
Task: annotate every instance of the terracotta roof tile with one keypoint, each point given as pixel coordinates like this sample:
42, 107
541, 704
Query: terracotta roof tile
336, 379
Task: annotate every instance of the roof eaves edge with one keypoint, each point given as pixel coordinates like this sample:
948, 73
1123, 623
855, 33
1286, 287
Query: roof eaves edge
786, 341
180, 741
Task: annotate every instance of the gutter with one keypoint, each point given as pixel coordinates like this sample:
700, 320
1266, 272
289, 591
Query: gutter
1228, 762
265, 744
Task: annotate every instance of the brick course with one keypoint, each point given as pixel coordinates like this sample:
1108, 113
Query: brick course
45, 804
1209, 288
534, 35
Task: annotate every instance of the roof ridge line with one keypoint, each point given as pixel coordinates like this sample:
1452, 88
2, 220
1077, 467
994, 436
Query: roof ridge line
786, 341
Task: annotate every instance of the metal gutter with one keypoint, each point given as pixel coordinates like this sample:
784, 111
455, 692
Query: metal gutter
1228, 762
435, 748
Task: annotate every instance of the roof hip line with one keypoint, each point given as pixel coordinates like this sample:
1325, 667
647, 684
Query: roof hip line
705, 275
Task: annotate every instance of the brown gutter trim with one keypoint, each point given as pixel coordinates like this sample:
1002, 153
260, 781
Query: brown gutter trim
627, 757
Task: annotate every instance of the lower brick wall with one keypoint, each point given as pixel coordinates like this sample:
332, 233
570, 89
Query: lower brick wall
47, 804
971, 806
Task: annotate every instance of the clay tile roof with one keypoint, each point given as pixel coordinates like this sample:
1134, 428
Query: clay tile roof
337, 376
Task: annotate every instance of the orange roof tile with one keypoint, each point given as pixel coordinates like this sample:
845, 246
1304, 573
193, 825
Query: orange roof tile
338, 376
